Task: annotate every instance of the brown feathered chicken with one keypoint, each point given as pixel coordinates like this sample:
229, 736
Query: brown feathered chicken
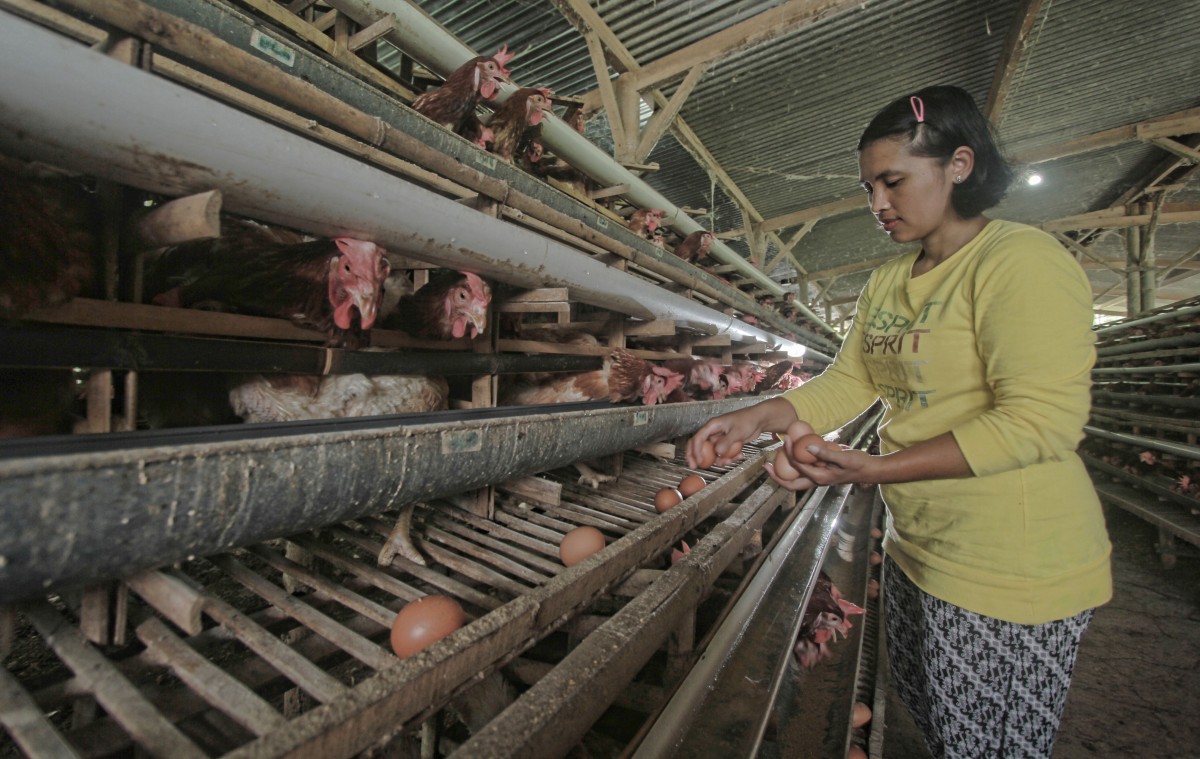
645, 220
453, 104
535, 160
623, 377
451, 305
702, 377
522, 112
260, 270
826, 615
49, 245
695, 246
285, 397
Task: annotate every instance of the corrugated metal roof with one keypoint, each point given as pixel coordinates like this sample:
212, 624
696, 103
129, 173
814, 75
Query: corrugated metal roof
783, 117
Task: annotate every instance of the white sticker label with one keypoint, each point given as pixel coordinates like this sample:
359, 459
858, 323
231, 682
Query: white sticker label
272, 47
641, 418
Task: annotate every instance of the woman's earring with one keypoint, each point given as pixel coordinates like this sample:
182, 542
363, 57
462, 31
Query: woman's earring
958, 179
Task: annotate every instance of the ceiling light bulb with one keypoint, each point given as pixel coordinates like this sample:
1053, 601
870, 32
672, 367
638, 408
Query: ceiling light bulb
1034, 180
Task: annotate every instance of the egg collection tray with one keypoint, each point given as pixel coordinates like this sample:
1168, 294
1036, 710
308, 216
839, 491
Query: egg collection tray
282, 648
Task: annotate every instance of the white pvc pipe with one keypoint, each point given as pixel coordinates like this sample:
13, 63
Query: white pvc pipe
67, 105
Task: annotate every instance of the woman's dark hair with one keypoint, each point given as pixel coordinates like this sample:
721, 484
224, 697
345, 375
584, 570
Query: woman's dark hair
951, 119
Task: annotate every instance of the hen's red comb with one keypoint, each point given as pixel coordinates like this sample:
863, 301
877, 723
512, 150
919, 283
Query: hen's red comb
502, 57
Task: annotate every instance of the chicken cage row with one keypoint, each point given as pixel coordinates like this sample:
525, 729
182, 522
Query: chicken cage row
1141, 442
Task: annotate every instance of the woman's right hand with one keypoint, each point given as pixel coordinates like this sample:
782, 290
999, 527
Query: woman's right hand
728, 432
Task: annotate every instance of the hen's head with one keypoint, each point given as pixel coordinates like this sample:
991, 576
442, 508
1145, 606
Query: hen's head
706, 374
658, 384
654, 217
535, 151
706, 241
537, 105
356, 277
465, 306
490, 71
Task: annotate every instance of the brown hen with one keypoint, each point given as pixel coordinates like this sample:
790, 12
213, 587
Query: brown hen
259, 270
453, 104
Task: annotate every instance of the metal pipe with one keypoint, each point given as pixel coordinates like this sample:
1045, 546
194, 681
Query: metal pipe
419, 35
1147, 369
1157, 317
82, 517
76, 108
1149, 344
1177, 449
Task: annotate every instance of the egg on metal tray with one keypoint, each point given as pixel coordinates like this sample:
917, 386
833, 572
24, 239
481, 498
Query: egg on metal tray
691, 485
667, 498
578, 544
423, 622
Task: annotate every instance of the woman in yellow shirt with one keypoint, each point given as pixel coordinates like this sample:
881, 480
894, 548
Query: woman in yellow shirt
980, 346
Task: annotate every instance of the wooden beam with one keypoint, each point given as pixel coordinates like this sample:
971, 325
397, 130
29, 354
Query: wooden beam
607, 91
850, 268
629, 101
663, 117
1010, 59
1118, 218
1081, 250
756, 30
790, 246
369, 34
815, 213
1188, 154
1171, 125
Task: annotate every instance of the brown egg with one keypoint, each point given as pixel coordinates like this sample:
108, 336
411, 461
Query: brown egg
861, 715
854, 752
783, 468
876, 558
578, 544
423, 622
691, 485
800, 448
872, 589
667, 498
876, 533
708, 454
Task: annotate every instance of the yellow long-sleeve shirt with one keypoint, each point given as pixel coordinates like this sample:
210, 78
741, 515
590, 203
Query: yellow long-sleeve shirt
993, 345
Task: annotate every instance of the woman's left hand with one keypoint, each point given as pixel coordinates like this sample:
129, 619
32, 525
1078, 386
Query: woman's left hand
834, 466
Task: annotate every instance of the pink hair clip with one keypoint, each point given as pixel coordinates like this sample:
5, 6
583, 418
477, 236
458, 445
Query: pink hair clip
918, 107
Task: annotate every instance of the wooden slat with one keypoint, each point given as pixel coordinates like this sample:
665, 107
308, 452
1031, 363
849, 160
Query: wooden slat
476, 572
520, 524
176, 600
533, 488
308, 676
436, 579
520, 538
220, 689
360, 648
26, 724
500, 546
370, 573
338, 592
120, 698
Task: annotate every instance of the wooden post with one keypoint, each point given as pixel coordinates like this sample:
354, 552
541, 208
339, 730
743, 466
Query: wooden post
1133, 274
1149, 283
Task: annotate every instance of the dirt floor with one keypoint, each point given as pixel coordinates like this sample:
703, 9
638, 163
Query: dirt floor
1136, 690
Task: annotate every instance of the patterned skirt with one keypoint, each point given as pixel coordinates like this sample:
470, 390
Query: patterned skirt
978, 686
